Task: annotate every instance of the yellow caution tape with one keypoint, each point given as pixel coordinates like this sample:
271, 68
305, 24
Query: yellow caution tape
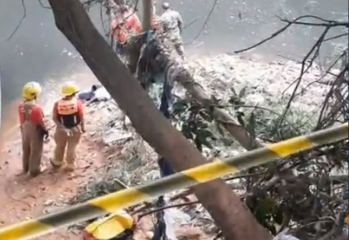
112, 202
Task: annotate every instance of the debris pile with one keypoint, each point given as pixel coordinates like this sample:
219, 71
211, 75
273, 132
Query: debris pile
255, 84
264, 82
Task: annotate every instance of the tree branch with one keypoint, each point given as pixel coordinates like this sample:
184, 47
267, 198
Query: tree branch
20, 21
160, 60
325, 23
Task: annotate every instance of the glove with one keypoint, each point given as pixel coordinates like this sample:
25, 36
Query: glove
46, 135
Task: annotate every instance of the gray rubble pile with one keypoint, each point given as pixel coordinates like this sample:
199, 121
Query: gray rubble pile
265, 82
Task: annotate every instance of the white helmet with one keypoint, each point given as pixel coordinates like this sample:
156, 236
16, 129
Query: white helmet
165, 5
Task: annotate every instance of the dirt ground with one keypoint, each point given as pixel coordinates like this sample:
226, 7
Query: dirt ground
23, 197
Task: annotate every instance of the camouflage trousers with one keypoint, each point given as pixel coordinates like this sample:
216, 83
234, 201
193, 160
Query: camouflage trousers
176, 40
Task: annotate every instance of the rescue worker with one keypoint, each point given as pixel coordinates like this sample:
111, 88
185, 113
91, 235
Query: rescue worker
123, 28
33, 129
68, 115
172, 26
132, 22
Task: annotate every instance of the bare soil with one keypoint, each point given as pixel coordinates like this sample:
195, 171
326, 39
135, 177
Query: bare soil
23, 197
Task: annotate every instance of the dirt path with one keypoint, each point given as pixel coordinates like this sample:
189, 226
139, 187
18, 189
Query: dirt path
24, 198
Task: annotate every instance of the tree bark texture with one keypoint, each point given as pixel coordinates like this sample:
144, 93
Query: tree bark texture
147, 14
236, 222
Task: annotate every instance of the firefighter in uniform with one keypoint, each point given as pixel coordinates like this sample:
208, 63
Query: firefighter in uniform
68, 116
33, 129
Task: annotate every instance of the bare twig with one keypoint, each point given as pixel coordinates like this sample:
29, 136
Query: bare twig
335, 37
167, 207
326, 23
43, 5
205, 23
315, 51
20, 21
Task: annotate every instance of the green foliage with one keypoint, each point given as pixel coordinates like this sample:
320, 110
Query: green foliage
267, 211
193, 122
276, 205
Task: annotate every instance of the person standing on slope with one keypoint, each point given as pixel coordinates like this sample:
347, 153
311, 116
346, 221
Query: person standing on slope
33, 129
68, 115
172, 25
124, 27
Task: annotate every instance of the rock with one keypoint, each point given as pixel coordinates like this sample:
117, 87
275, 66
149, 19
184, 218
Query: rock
49, 202
287, 237
152, 175
187, 233
149, 234
127, 121
264, 81
114, 135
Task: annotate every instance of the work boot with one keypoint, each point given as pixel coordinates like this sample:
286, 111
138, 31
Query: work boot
55, 165
69, 167
35, 173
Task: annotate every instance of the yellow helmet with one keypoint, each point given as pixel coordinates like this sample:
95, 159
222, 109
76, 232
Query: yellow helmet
111, 226
69, 88
31, 90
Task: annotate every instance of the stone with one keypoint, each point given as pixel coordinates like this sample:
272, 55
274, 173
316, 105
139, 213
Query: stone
114, 135
49, 202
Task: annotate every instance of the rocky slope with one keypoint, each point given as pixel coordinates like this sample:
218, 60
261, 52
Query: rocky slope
265, 84
110, 153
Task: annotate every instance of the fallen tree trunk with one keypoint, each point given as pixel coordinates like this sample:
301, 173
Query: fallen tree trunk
236, 222
158, 58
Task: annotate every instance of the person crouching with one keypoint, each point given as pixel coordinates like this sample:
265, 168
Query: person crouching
68, 115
